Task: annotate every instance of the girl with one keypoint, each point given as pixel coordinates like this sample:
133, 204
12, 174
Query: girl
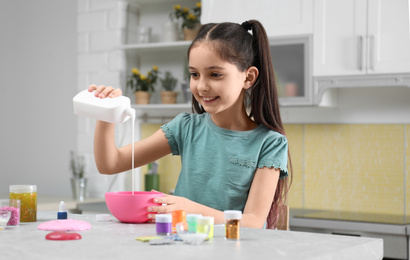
233, 149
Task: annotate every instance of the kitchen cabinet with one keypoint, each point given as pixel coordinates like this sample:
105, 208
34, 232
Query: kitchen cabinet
361, 37
279, 17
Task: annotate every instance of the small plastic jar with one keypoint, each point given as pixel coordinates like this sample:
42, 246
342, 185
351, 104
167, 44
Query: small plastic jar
206, 221
232, 224
178, 216
163, 224
192, 220
27, 194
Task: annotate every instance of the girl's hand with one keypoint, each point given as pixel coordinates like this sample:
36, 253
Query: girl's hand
102, 91
170, 203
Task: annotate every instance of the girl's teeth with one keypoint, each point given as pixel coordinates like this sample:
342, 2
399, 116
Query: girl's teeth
208, 99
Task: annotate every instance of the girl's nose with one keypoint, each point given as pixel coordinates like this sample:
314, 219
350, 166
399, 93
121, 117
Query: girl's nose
202, 86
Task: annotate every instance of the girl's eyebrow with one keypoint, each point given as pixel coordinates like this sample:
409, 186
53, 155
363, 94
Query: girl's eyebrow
210, 68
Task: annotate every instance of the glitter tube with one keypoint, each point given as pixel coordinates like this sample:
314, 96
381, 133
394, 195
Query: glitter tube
232, 224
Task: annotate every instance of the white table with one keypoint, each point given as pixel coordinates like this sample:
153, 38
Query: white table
115, 240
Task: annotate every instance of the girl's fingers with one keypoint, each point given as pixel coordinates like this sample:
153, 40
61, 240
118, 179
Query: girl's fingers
106, 91
99, 90
116, 93
166, 199
102, 91
92, 87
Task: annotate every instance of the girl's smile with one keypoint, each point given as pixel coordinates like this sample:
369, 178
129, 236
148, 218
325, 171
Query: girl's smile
209, 99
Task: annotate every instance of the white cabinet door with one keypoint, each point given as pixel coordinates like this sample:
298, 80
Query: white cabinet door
339, 37
279, 17
389, 36
361, 37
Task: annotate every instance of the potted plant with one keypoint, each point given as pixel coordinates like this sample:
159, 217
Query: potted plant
78, 182
168, 95
142, 84
191, 21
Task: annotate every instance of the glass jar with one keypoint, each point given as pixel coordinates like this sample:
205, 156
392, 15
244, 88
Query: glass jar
163, 224
27, 194
232, 224
178, 216
203, 222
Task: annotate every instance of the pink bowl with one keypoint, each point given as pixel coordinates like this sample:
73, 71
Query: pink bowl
131, 208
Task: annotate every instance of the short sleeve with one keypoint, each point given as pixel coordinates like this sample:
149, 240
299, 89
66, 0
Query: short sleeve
274, 154
174, 132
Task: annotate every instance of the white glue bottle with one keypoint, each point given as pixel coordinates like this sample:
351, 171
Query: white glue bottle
112, 110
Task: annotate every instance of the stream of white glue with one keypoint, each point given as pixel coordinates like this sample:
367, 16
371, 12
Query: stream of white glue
132, 152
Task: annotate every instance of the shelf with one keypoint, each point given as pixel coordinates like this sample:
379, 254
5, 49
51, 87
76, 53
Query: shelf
157, 46
162, 106
155, 2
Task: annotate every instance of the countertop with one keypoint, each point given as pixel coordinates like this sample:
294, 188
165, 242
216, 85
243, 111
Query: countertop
115, 240
393, 219
393, 229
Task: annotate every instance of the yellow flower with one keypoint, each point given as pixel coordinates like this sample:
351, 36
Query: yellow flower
142, 77
185, 10
177, 7
191, 17
155, 68
198, 4
135, 71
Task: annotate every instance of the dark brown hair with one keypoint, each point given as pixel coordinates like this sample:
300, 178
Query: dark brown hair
233, 43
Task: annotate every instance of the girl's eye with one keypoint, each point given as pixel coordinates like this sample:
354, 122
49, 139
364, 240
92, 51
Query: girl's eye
216, 75
194, 74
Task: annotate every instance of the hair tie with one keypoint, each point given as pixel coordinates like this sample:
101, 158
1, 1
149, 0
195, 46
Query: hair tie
247, 26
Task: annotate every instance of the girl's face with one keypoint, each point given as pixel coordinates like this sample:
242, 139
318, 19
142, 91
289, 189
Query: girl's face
216, 84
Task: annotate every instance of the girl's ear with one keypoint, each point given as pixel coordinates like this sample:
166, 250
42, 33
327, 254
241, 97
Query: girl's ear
251, 76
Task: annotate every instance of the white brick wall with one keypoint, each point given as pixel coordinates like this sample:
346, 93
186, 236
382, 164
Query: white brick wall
101, 26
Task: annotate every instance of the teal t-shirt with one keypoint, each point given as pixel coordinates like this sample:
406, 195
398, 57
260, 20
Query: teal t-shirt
218, 165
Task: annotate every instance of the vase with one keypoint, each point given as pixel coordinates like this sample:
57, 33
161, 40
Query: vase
168, 97
170, 32
190, 34
79, 188
142, 97
187, 92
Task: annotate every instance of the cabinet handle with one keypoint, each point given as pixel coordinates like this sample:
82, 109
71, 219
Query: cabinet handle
360, 53
371, 52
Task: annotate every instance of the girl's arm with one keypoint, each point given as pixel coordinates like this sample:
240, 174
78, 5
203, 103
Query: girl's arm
256, 209
109, 158
260, 197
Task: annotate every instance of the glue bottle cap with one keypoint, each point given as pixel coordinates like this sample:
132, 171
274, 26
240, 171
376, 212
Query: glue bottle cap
62, 212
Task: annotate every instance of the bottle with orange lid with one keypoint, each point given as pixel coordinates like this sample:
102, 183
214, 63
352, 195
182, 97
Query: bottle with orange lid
178, 216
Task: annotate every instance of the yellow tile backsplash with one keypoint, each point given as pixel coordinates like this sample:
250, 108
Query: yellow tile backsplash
355, 168
345, 167
295, 136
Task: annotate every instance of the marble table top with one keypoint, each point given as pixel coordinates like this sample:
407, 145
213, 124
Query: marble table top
115, 240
